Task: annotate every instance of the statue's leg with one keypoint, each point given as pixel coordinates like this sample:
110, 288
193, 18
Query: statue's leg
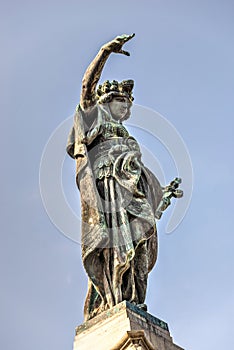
92, 303
107, 278
95, 299
141, 272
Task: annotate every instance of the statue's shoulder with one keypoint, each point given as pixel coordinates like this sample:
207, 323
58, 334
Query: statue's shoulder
88, 115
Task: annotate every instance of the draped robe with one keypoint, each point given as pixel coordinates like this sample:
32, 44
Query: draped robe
119, 198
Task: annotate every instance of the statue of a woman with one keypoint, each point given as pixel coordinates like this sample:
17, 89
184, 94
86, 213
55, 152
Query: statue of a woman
119, 195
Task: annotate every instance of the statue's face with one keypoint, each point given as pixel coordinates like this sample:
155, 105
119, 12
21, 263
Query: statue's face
119, 107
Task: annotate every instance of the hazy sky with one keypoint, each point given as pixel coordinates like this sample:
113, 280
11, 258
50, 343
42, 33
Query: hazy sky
182, 63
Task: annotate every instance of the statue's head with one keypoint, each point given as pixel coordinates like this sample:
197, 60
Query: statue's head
118, 96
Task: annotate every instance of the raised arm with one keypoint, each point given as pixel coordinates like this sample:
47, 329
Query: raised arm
94, 70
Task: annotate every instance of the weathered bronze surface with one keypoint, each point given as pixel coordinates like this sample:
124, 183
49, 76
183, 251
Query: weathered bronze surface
120, 197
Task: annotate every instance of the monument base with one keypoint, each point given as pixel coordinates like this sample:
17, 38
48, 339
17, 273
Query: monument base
124, 327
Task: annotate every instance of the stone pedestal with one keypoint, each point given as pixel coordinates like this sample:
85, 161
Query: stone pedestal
124, 327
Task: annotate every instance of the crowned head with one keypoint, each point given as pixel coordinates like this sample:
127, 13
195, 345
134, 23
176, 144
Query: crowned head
118, 97
108, 90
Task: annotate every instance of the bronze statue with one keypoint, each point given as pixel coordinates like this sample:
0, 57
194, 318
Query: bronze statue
120, 197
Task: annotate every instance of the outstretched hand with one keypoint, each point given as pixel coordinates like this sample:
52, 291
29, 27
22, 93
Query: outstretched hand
116, 44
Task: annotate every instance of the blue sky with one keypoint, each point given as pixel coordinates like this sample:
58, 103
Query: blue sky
182, 63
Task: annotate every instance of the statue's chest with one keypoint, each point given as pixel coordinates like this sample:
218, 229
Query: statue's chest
113, 130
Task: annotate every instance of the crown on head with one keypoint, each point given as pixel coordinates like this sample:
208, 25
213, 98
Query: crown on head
108, 90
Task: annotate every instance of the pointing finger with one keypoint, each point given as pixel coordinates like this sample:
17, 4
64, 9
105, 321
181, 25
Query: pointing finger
124, 52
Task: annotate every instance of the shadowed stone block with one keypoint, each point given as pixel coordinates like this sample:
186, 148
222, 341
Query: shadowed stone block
124, 327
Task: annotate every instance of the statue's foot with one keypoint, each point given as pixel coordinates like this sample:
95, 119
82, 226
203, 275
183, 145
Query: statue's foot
142, 307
